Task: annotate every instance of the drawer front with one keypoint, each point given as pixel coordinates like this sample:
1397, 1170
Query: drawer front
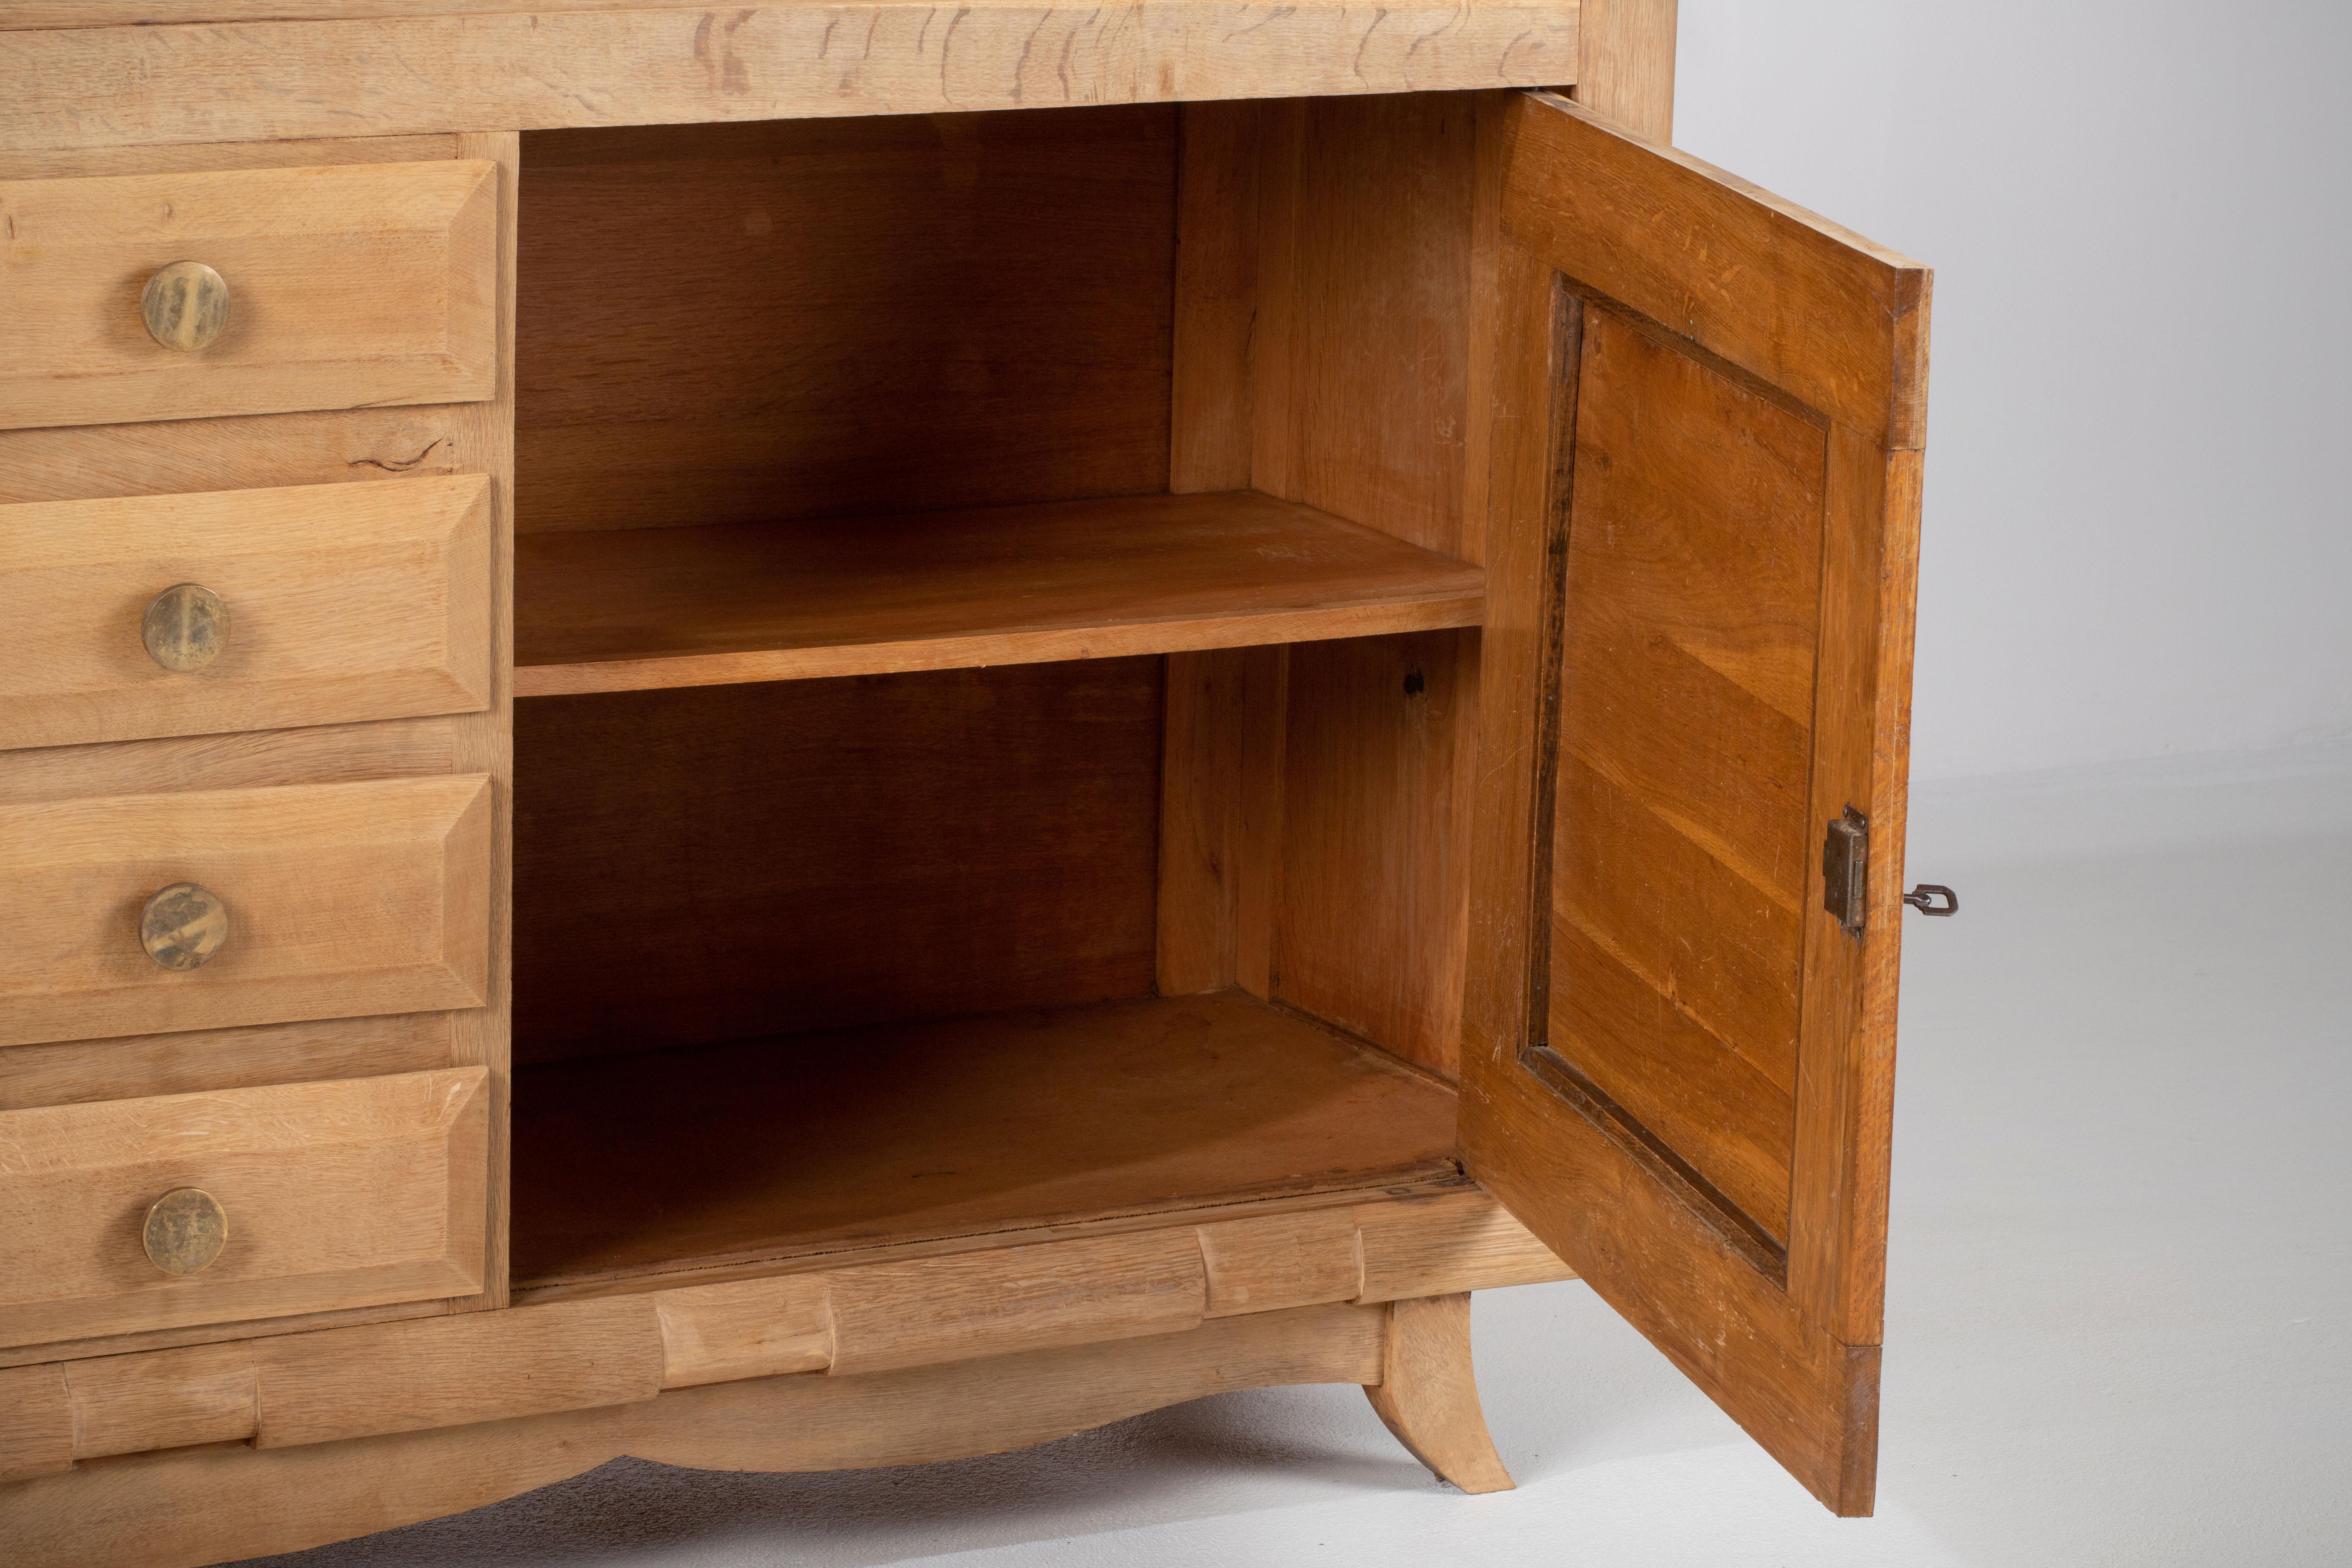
152, 913
191, 615
325, 287
320, 1196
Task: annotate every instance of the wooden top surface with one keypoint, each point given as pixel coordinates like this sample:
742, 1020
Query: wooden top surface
605, 611
849, 1138
110, 73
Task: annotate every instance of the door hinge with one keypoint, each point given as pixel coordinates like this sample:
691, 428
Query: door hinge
1845, 869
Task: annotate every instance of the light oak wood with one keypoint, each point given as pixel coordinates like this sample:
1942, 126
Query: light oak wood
1015, 1298
983, 1299
483, 742
751, 1328
655, 607
260, 79
261, 451
343, 602
1702, 527
329, 754
1438, 1243
1278, 1261
1360, 359
347, 900
207, 1505
1625, 64
171, 1399
962, 841
780, 1148
812, 318
133, 1066
337, 1195
1428, 1396
36, 1425
450, 1371
369, 283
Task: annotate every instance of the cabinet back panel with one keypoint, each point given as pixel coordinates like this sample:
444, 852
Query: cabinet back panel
724, 862
728, 323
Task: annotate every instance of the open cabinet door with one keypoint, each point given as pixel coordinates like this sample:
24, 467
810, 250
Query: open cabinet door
1679, 1054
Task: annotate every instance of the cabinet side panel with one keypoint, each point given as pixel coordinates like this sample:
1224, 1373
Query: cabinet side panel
1362, 367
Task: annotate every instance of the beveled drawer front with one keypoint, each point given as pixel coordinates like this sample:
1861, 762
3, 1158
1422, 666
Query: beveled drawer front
304, 1198
191, 614
247, 291
149, 913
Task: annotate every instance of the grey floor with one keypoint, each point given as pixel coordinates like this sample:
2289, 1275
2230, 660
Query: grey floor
2119, 1317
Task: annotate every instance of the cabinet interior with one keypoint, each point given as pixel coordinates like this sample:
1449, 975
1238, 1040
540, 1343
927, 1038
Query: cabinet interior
995, 656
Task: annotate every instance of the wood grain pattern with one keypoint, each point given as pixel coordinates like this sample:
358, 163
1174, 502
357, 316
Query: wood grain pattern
448, 1372
1371, 927
805, 317
344, 602
973, 1300
1428, 1396
351, 284
1212, 417
1683, 831
1015, 1298
327, 753
67, 1072
347, 900
171, 1399
1716, 702
185, 456
207, 1505
776, 1148
563, 67
815, 854
751, 1328
1221, 819
1360, 358
1440, 1243
1625, 64
339, 1194
1834, 320
652, 607
1278, 1261
483, 742
36, 1425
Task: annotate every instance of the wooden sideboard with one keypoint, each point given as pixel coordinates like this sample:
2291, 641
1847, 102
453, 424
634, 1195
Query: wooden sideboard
808, 736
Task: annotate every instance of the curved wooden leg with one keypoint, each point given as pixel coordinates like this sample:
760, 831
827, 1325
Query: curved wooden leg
1428, 1396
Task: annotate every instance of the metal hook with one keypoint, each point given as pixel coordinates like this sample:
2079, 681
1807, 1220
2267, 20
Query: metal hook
1923, 899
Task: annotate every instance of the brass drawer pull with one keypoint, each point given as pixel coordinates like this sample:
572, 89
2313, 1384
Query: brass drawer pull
185, 306
185, 628
183, 926
186, 1230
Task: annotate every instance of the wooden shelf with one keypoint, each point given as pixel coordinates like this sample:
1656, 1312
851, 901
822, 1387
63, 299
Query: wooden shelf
820, 1143
629, 610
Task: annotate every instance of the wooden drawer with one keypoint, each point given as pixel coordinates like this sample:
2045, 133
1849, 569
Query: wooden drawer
341, 900
365, 284
335, 603
348, 1193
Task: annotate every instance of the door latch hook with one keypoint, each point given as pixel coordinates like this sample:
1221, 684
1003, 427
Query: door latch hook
1924, 898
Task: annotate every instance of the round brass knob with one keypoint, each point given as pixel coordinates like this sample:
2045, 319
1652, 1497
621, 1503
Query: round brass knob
186, 1230
185, 628
183, 926
185, 306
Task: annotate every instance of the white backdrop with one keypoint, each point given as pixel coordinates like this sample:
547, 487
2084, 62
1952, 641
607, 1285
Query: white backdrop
2138, 536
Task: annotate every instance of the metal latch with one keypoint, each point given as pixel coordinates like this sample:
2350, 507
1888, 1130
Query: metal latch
1845, 869
1845, 877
